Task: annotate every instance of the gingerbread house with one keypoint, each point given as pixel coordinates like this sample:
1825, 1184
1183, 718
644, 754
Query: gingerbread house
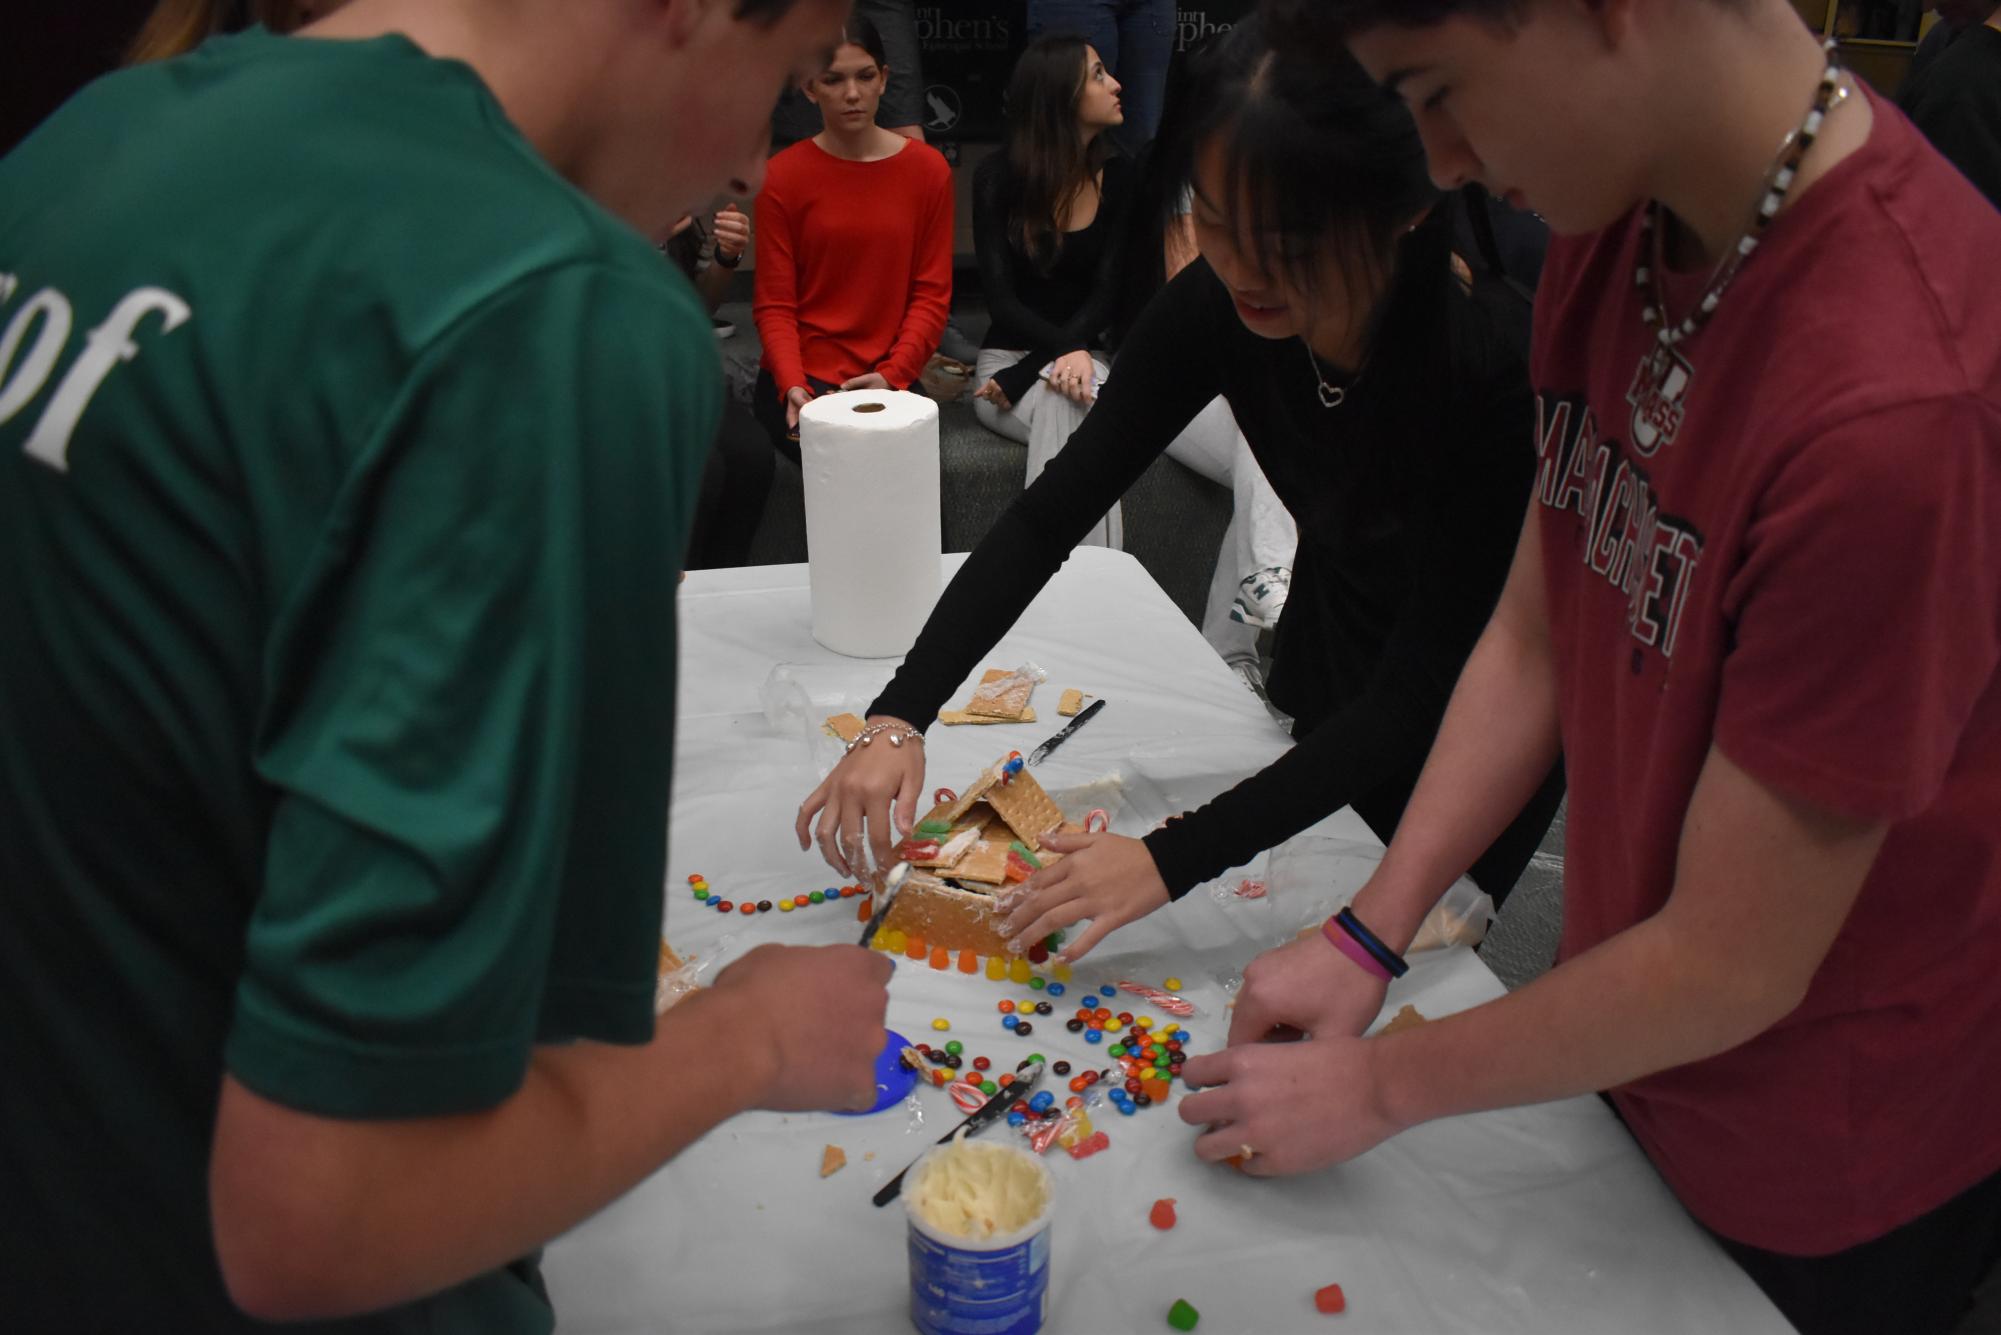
967, 850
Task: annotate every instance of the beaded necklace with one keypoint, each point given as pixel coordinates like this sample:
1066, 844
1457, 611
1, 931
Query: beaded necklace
1659, 361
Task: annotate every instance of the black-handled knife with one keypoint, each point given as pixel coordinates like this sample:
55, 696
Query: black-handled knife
1041, 753
1020, 1087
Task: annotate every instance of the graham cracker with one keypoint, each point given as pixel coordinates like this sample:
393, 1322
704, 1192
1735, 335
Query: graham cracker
986, 863
845, 727
1072, 702
832, 1160
943, 915
1407, 1018
956, 858
1008, 704
1027, 808
951, 716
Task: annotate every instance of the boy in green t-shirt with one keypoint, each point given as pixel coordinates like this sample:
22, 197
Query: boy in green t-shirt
349, 434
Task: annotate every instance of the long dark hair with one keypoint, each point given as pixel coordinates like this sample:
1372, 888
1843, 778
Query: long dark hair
858, 31
1048, 161
1324, 173
1320, 165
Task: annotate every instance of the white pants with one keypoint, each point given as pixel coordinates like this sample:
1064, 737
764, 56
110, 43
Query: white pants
1044, 421
1261, 534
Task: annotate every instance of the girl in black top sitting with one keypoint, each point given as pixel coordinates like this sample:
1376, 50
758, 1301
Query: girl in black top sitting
1392, 415
1049, 230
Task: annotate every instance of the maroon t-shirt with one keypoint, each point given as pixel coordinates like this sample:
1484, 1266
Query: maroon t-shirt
1786, 542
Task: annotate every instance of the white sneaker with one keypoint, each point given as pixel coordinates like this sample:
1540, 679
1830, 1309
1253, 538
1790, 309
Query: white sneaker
1261, 597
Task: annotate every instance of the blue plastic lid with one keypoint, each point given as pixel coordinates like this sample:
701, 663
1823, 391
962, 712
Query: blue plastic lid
893, 1080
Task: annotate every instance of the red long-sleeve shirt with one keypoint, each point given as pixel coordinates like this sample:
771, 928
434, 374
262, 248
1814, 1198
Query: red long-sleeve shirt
854, 264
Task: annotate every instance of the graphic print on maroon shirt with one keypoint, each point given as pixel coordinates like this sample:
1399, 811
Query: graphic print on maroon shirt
1783, 540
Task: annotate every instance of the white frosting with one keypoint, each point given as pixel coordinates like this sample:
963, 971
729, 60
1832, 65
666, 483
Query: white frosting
870, 459
975, 1190
958, 845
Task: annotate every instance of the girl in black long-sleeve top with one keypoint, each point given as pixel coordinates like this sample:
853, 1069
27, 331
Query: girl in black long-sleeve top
1049, 228
1393, 417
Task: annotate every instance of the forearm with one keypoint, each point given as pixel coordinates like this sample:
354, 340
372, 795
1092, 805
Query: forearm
377, 1213
1380, 734
1496, 744
778, 329
916, 339
1763, 884
1650, 998
713, 284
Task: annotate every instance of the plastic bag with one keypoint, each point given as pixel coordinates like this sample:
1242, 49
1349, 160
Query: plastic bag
799, 698
1313, 876
1006, 695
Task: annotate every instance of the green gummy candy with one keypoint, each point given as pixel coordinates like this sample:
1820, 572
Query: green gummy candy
1181, 1316
1026, 856
934, 827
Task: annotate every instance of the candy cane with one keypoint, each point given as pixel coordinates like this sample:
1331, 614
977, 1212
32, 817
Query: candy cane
1167, 1001
967, 1095
942, 796
1103, 819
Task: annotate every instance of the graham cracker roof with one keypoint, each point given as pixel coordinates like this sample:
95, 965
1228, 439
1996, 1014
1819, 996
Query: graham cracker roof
1021, 803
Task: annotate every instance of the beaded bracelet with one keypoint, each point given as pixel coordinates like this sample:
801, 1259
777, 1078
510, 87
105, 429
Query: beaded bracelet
899, 733
1348, 946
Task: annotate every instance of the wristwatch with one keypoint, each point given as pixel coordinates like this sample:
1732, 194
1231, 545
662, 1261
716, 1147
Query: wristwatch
728, 261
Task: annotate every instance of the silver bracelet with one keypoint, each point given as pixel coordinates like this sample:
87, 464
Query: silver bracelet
899, 733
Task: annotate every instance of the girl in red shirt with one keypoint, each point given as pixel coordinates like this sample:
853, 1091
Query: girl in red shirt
854, 266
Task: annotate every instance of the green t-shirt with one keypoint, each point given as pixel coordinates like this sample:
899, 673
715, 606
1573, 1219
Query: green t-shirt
347, 455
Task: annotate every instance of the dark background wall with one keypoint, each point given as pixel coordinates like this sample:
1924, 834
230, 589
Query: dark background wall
53, 48
969, 47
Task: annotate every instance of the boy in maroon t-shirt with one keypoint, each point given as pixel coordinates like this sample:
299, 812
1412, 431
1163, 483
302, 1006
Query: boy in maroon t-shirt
1758, 602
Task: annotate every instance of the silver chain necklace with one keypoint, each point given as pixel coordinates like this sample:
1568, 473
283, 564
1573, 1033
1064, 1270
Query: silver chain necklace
1331, 395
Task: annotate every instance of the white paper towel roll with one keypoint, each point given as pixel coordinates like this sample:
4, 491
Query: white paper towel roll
870, 459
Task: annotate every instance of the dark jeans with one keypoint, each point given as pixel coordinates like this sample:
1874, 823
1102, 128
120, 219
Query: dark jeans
1915, 1280
735, 482
770, 412
1135, 39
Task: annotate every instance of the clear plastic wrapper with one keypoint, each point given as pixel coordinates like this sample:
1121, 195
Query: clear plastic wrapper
799, 698
679, 976
1312, 876
1008, 693
1066, 1122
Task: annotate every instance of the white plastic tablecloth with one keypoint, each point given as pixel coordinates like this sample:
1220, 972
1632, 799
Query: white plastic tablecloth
1538, 1220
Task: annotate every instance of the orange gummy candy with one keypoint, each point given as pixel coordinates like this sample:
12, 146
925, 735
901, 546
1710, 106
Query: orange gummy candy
941, 958
1162, 1214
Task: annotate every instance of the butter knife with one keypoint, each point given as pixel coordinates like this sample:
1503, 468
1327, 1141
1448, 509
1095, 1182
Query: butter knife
1021, 1087
1041, 752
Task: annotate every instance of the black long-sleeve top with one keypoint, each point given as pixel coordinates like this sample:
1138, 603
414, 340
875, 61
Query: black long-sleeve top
1408, 506
1063, 309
